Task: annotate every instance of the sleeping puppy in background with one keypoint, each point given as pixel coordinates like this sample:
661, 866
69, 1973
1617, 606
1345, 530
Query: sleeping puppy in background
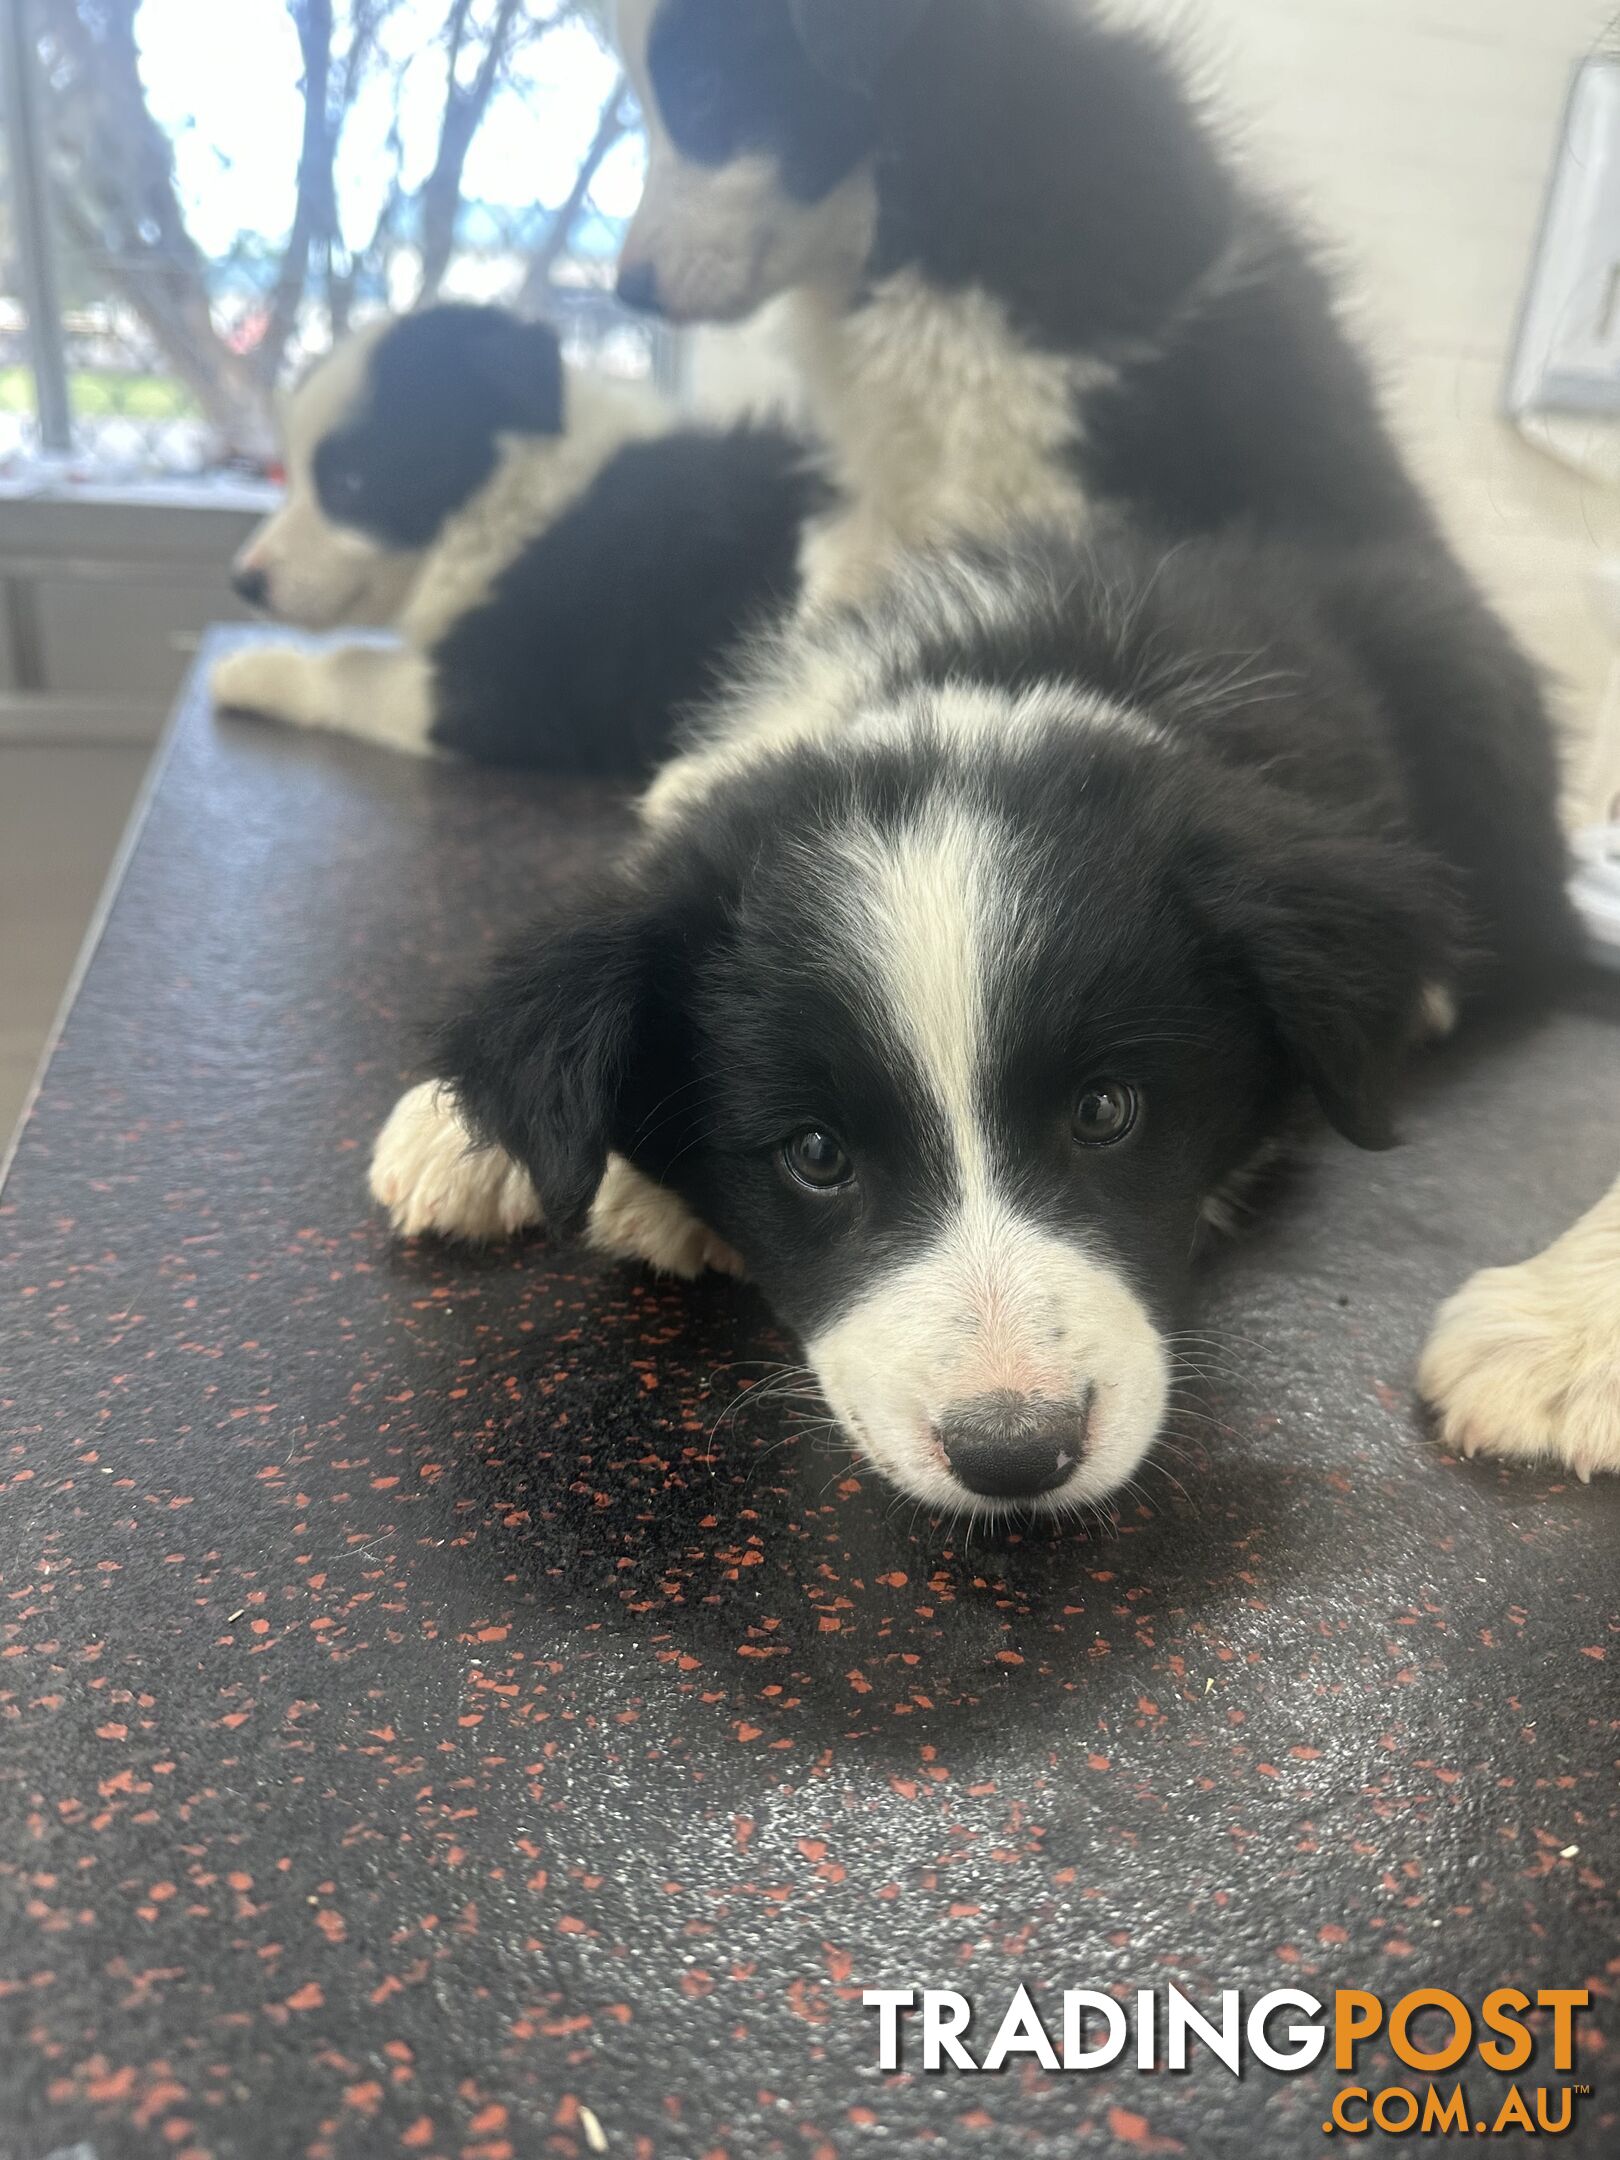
978, 944
563, 565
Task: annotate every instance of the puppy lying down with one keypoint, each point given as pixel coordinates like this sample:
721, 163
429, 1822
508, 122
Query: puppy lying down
974, 946
564, 566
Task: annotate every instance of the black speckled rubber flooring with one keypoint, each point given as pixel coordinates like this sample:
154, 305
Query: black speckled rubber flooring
440, 1715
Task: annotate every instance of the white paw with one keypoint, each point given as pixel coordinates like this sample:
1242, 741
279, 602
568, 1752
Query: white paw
434, 1179
1525, 1361
634, 1219
273, 681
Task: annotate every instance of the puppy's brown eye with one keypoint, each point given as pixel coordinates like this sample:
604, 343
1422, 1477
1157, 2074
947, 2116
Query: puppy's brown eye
1105, 1113
815, 1158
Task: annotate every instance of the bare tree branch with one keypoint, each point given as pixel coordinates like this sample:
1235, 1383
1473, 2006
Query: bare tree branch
118, 197
374, 253
611, 125
114, 173
464, 107
313, 210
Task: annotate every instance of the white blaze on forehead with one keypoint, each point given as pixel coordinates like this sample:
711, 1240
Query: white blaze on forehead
936, 916
930, 914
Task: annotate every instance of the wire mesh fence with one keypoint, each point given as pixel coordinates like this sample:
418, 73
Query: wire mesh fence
227, 190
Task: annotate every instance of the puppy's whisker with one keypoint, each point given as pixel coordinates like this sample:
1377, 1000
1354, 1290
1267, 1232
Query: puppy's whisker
659, 1109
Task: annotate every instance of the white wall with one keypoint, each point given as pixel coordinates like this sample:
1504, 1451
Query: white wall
1418, 136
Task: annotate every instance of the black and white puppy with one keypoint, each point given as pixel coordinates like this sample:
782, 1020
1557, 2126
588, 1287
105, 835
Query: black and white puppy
1024, 279
1024, 276
980, 940
564, 567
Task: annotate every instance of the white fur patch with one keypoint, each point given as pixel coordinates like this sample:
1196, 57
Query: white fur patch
933, 919
944, 425
434, 1179
537, 478
996, 1304
634, 1219
329, 392
965, 716
380, 695
1525, 1361
822, 679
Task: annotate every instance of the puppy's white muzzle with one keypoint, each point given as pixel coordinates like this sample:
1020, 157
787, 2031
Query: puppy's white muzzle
1004, 1368
304, 570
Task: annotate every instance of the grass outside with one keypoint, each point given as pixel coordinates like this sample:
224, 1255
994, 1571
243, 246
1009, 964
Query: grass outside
103, 393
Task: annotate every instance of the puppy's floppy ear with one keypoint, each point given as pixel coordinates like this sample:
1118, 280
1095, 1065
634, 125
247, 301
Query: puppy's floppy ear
518, 365
852, 41
546, 1057
1342, 935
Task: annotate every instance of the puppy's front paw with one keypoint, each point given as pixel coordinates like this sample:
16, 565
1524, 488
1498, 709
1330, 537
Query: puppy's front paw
434, 1179
1525, 1361
272, 682
634, 1219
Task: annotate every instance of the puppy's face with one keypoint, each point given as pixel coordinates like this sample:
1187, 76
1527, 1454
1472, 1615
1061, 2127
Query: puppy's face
761, 128
385, 439
955, 1069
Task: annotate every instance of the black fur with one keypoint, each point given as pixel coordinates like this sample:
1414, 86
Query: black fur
620, 614
441, 388
1373, 677
852, 42
732, 77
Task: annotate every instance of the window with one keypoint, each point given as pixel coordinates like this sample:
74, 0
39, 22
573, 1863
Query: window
222, 189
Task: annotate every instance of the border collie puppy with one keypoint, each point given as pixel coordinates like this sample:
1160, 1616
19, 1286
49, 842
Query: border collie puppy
1025, 280
563, 566
978, 942
1025, 277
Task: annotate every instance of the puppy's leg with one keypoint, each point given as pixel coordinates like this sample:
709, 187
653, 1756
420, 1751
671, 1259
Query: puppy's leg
634, 1219
380, 694
1525, 1361
434, 1178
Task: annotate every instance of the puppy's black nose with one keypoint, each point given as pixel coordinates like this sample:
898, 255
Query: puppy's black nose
252, 586
638, 288
1013, 1447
